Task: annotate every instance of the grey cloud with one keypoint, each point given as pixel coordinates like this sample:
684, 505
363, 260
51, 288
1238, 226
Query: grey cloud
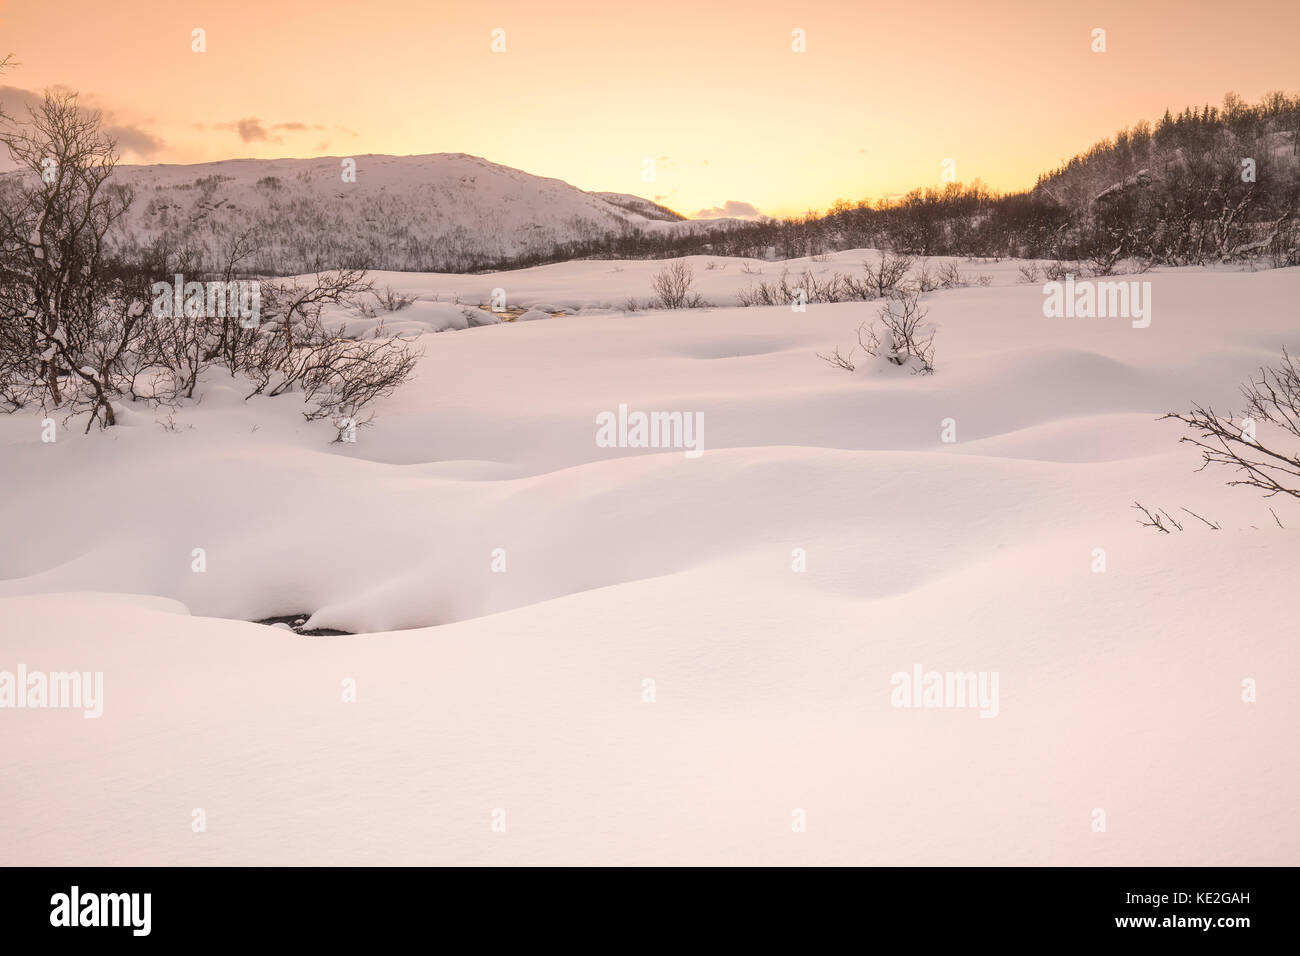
130, 138
250, 130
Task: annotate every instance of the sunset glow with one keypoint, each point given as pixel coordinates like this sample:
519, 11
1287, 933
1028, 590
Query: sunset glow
714, 93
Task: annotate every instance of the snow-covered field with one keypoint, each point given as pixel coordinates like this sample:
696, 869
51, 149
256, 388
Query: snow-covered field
517, 585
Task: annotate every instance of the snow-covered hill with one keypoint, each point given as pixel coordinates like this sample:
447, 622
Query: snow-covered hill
444, 211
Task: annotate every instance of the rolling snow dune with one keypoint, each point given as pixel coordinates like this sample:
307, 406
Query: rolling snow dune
521, 690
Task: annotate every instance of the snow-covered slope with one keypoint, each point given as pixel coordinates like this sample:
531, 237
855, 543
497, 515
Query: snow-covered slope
441, 211
1120, 688
643, 207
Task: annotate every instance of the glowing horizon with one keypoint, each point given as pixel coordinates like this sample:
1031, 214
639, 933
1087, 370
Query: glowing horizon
584, 93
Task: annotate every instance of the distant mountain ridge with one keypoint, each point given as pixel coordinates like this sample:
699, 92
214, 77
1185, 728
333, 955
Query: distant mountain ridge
441, 212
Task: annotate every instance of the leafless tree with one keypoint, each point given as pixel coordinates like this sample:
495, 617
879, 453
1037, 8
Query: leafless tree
63, 314
6, 64
236, 254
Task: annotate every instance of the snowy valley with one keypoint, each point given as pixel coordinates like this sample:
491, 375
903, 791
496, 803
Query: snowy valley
592, 638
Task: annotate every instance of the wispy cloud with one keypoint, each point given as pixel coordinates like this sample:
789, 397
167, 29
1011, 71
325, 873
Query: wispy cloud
253, 129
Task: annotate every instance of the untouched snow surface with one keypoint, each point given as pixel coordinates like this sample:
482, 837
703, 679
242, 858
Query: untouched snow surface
523, 690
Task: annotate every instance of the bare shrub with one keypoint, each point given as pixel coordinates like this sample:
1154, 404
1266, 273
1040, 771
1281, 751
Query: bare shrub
1283, 248
950, 276
883, 278
1272, 399
288, 304
926, 280
804, 288
672, 287
1104, 259
903, 320
1056, 271
900, 336
390, 300
844, 361
298, 350
340, 377
1030, 273
829, 289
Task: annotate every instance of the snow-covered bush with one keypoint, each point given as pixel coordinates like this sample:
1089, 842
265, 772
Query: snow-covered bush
900, 336
390, 300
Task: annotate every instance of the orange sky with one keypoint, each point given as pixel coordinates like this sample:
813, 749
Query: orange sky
586, 91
